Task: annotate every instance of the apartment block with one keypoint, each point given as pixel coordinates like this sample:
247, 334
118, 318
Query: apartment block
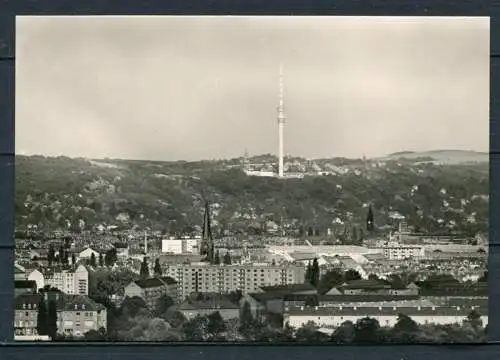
207, 278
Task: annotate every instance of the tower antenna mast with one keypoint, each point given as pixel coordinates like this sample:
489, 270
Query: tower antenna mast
281, 123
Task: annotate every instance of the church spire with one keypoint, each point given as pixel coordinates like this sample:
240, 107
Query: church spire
207, 243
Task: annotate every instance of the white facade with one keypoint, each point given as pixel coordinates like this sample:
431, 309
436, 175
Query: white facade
330, 321
87, 254
401, 252
37, 277
179, 246
69, 282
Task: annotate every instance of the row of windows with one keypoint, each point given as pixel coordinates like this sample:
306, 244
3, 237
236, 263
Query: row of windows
29, 306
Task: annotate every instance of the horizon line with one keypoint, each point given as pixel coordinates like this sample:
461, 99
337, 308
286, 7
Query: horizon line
402, 152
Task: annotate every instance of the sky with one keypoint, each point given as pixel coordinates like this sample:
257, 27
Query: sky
188, 88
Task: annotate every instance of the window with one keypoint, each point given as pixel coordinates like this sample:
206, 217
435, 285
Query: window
77, 314
27, 313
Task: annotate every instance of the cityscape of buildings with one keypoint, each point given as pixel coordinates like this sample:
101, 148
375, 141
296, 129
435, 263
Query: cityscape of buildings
336, 272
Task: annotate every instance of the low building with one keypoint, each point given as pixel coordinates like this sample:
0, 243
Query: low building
19, 272
180, 246
333, 317
398, 251
87, 254
274, 299
152, 289
192, 308
24, 287
76, 314
376, 288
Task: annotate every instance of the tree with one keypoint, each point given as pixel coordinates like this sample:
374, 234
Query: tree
227, 259
92, 260
215, 324
132, 306
329, 280
110, 257
396, 281
246, 317
315, 273
217, 258
405, 324
309, 333
61, 254
369, 219
52, 319
474, 319
196, 328
41, 320
157, 268
311, 301
144, 271
101, 260
308, 275
351, 275
366, 330
163, 304
66, 258
51, 254
345, 333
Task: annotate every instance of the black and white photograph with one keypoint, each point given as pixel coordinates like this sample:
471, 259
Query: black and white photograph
252, 179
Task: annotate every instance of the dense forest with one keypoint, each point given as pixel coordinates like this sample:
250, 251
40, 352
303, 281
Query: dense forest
78, 194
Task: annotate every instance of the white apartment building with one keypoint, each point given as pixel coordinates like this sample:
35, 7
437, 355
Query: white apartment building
180, 246
69, 282
207, 278
332, 317
396, 251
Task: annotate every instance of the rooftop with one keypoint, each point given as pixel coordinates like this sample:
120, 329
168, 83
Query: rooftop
64, 302
24, 284
387, 311
213, 303
155, 282
288, 289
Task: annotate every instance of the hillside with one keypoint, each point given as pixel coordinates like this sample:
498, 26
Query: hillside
80, 193
443, 156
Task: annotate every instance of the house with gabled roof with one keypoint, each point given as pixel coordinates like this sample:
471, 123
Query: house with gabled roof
152, 289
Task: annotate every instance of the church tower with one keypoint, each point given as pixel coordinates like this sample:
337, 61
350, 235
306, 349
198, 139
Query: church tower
207, 242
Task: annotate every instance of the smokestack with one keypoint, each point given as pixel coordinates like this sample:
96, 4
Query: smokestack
145, 242
281, 124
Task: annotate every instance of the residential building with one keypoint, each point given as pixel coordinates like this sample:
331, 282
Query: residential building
19, 272
76, 314
192, 308
332, 317
87, 254
24, 287
205, 278
397, 251
150, 290
180, 246
67, 280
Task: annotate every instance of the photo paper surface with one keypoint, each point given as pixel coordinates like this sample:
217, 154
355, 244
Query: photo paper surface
252, 179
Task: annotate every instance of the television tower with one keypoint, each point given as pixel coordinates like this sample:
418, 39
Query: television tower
281, 123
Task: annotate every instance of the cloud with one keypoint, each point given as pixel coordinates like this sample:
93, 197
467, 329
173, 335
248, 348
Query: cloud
207, 87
